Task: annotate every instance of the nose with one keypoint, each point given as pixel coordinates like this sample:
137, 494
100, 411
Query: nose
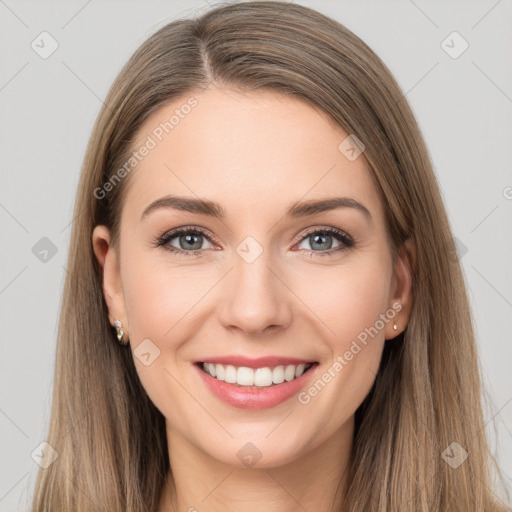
255, 299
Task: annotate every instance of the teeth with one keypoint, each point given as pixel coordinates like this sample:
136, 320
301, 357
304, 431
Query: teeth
245, 376
260, 377
289, 372
219, 370
263, 377
300, 370
212, 368
230, 375
278, 375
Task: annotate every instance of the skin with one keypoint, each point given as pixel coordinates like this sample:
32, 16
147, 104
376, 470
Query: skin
255, 154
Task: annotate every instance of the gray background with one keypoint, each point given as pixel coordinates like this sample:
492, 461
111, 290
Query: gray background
463, 105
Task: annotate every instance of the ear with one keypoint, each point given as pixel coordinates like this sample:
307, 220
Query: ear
401, 292
111, 275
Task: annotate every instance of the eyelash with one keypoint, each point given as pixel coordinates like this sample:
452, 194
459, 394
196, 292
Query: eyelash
163, 241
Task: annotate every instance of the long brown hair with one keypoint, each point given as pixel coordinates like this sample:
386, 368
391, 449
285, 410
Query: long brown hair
111, 439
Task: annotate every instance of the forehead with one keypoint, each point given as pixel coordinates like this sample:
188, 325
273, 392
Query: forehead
248, 151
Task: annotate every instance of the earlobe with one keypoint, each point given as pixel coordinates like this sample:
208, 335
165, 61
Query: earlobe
111, 275
401, 300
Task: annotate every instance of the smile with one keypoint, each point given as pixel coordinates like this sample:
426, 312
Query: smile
259, 377
255, 383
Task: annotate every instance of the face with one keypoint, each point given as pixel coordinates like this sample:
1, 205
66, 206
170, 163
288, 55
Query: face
264, 289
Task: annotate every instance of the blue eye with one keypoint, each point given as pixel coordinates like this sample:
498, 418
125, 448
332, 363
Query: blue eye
322, 239
190, 241
187, 238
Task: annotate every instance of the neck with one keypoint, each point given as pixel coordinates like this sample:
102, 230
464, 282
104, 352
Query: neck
314, 481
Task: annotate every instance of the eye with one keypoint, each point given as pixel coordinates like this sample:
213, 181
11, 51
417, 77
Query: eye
320, 241
188, 241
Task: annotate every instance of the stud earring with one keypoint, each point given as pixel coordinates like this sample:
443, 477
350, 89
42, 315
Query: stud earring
395, 327
120, 332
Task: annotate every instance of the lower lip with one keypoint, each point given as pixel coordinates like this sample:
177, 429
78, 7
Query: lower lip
251, 397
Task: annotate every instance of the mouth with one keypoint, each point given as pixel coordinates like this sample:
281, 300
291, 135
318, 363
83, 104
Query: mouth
255, 383
262, 377
254, 386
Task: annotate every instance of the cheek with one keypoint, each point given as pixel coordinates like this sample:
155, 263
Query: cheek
160, 300
366, 298
351, 306
344, 300
362, 328
158, 295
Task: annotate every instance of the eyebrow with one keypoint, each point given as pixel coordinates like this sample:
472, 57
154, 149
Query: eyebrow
213, 209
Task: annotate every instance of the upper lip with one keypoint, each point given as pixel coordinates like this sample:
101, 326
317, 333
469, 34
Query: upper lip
258, 362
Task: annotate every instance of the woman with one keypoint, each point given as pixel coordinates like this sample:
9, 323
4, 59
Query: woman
262, 307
